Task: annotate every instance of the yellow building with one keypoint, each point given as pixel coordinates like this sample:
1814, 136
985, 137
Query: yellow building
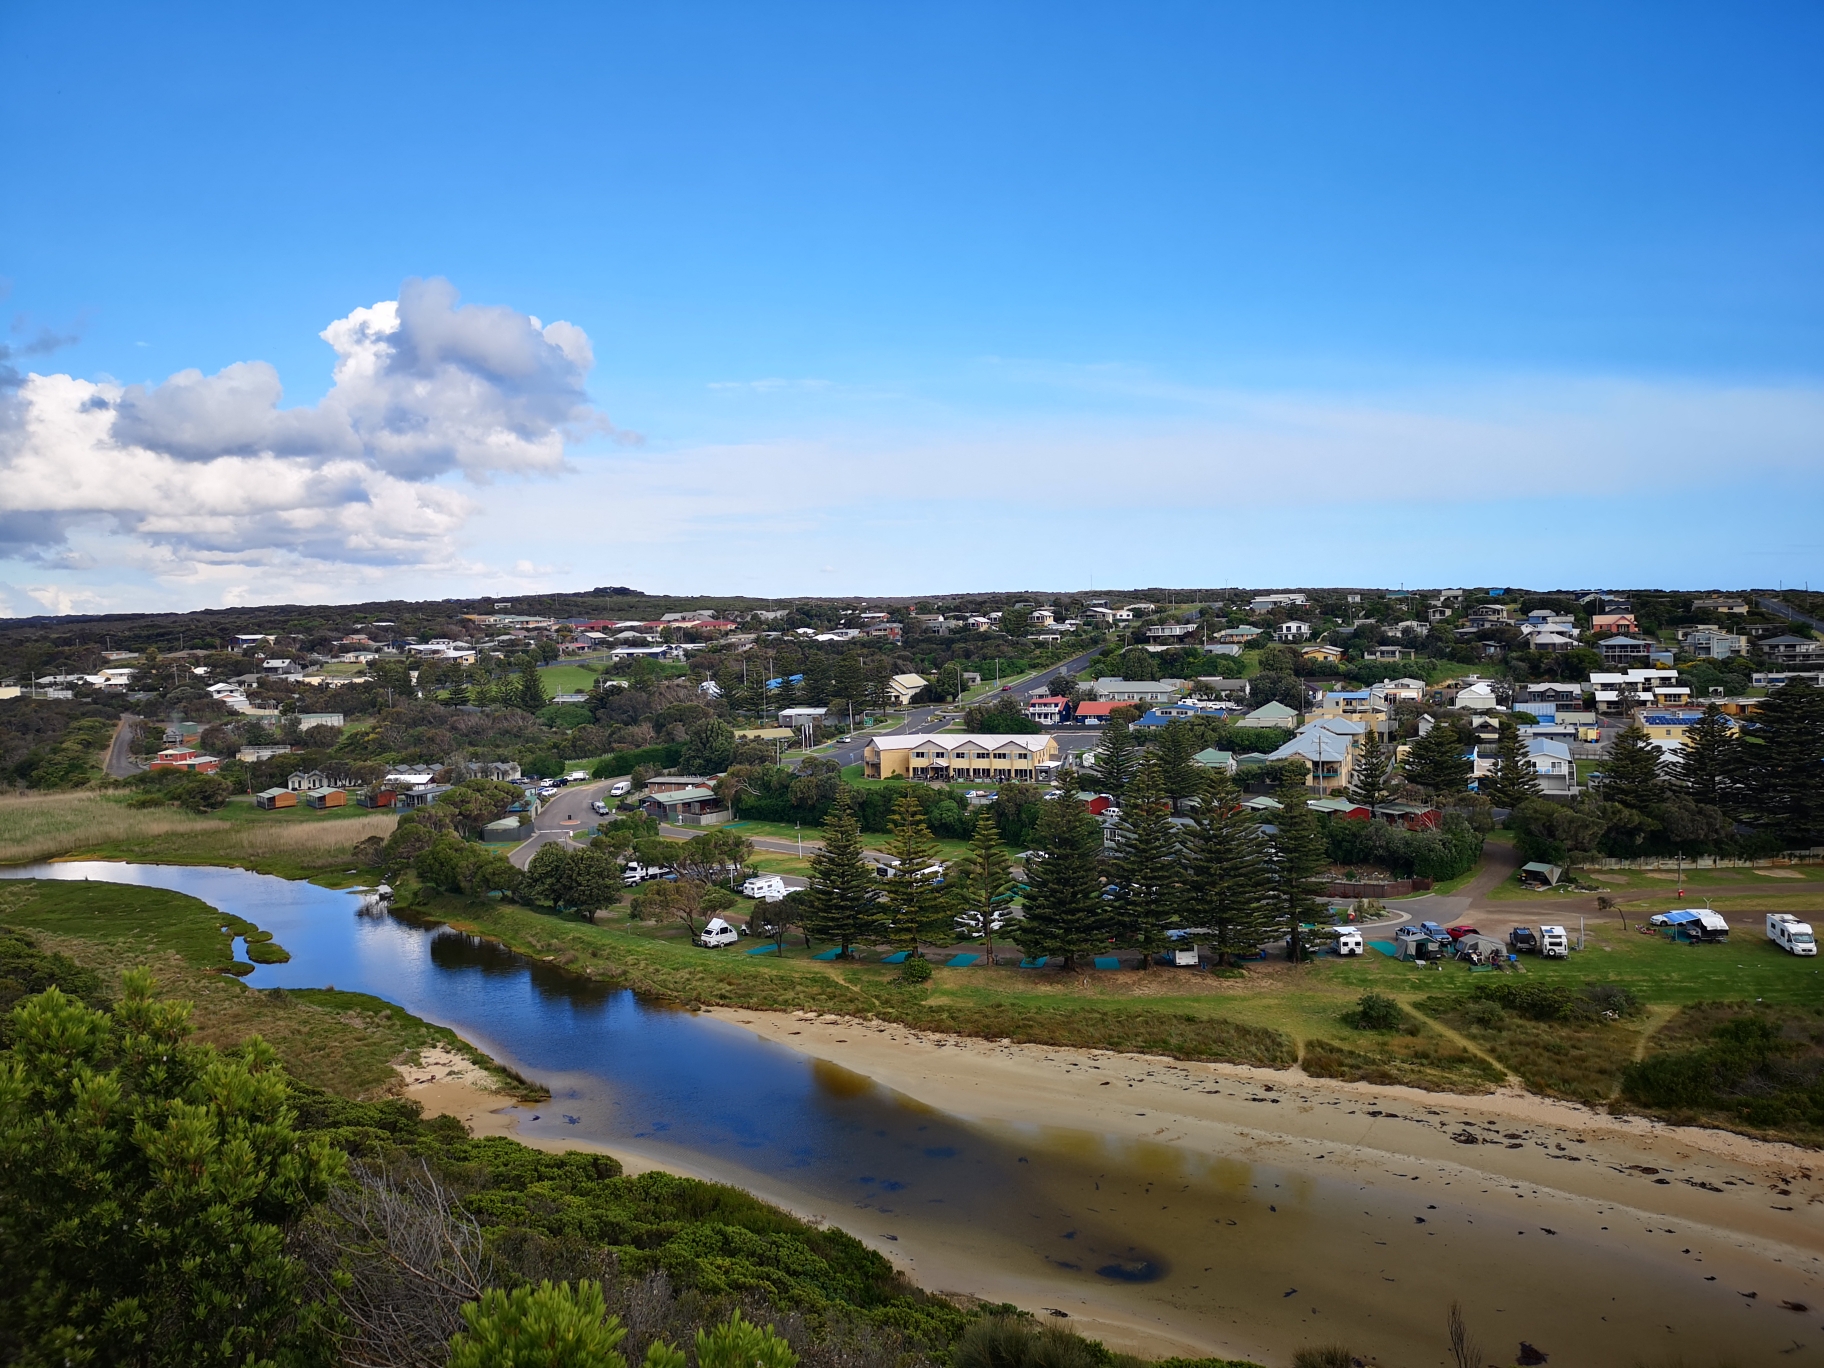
1670, 724
958, 756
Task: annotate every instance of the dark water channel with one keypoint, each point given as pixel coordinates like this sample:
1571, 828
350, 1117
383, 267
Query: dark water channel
1177, 1240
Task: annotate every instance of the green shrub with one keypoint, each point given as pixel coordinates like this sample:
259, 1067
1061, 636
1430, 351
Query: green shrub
1377, 1012
915, 969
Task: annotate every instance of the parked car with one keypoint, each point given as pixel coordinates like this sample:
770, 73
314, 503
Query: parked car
1028, 856
621, 788
599, 808
1458, 932
1522, 940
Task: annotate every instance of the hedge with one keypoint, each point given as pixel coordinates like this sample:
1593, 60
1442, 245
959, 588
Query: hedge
625, 762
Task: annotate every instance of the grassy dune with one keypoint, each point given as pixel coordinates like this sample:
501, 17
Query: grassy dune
294, 843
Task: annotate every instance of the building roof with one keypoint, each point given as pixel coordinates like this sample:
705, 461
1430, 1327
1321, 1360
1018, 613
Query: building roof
908, 681
951, 740
1213, 758
1271, 712
1100, 708
689, 795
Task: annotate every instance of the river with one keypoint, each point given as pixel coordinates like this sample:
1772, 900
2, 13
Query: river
1173, 1242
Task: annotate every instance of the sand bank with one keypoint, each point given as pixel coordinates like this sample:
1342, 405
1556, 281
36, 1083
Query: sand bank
1772, 1193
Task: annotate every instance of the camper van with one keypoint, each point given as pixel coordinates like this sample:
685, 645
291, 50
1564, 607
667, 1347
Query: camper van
637, 873
621, 788
766, 887
718, 934
1790, 934
1349, 940
1554, 942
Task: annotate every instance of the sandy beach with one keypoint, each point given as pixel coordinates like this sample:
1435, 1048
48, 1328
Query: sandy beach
1722, 1214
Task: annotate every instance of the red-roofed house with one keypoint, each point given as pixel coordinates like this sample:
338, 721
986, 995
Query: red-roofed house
1047, 711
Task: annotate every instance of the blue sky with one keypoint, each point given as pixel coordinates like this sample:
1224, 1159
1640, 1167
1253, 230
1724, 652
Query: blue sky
943, 298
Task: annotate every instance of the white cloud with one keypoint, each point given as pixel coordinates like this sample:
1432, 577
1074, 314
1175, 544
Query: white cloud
206, 473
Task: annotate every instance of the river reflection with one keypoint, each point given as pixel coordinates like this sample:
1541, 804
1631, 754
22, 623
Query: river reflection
1180, 1239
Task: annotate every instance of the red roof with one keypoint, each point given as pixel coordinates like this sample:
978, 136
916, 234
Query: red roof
1099, 709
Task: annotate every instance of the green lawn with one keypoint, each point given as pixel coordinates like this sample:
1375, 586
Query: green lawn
568, 677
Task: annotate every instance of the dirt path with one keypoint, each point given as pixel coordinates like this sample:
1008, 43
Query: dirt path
120, 763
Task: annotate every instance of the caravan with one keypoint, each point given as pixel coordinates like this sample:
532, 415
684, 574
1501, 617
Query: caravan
1349, 940
765, 887
1791, 934
718, 934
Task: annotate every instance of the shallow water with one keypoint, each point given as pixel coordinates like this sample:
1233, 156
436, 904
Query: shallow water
1242, 1257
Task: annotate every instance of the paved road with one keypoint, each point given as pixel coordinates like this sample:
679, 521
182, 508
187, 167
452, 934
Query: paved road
567, 811
120, 763
1781, 608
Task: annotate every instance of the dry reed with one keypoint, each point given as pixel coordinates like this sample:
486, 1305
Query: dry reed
44, 826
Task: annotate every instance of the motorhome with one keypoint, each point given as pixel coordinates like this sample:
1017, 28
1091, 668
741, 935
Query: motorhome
765, 887
1554, 942
1790, 934
637, 873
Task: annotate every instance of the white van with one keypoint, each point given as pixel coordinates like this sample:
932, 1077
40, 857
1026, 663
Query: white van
718, 934
637, 873
1349, 940
622, 787
1554, 942
1791, 934
766, 887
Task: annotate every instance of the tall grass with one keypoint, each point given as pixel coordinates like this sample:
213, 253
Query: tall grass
44, 826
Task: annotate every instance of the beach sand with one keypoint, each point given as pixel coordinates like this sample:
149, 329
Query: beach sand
1693, 1217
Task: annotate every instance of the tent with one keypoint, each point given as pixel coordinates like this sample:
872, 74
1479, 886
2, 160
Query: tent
1693, 923
1545, 875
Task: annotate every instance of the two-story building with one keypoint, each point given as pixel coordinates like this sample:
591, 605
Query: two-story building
954, 755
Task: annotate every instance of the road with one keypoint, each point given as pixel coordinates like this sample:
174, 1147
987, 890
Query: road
120, 763
567, 811
1780, 608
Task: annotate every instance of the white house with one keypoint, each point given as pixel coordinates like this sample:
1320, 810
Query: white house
1477, 698
1292, 631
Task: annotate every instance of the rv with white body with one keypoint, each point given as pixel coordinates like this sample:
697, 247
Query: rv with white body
1554, 942
718, 934
637, 873
766, 887
1349, 940
1791, 934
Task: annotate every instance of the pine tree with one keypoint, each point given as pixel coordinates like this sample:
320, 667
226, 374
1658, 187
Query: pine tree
1438, 761
1370, 785
1295, 892
915, 900
1514, 780
1116, 757
532, 694
1782, 760
985, 883
1630, 771
458, 696
842, 894
1707, 765
1066, 914
1225, 873
1146, 870
1179, 775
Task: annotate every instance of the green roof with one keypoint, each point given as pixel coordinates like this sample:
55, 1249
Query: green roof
1212, 758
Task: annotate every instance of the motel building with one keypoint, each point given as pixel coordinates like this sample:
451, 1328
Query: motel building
956, 756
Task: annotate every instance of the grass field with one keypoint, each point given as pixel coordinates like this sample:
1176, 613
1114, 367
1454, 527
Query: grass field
294, 842
568, 678
344, 1042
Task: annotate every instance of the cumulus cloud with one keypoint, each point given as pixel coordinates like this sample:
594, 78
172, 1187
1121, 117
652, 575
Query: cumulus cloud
209, 470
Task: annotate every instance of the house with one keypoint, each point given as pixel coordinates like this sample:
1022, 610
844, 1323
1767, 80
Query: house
1477, 697
1169, 632
1551, 761
1778, 679
326, 798
1793, 650
185, 758
1551, 641
1327, 654
800, 718
252, 755
376, 798
1221, 688
1047, 711
1238, 636
1389, 653
677, 783
690, 806
1272, 714
1668, 725
275, 798
1150, 692
1712, 643
1548, 693
419, 795
1160, 717
950, 756
1486, 615
903, 688
322, 719
1292, 631
1613, 622
1212, 759
1719, 605
890, 630
1329, 756
1274, 603
1619, 650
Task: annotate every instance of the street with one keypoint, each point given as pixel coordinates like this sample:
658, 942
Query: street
120, 763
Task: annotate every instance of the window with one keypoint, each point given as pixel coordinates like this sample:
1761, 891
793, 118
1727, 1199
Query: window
1022, 756
918, 755
1000, 755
